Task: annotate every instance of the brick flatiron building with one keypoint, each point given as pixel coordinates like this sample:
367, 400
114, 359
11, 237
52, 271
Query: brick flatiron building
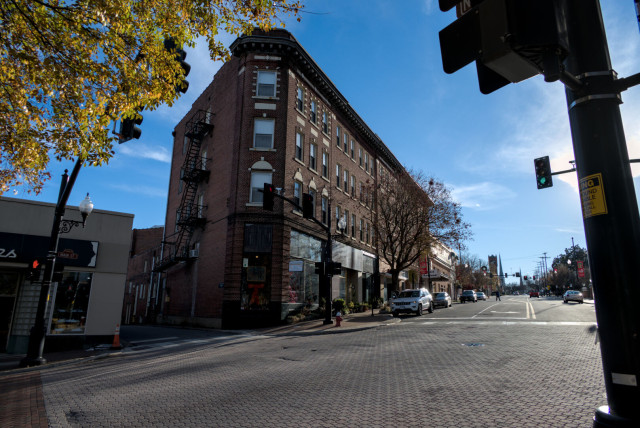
270, 115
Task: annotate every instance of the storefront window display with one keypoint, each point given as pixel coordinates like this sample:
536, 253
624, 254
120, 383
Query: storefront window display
69, 313
256, 283
303, 288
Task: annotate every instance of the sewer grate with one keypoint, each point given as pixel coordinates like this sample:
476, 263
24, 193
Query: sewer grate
473, 344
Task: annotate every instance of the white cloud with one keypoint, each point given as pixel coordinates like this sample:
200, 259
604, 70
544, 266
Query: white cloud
141, 150
482, 196
141, 190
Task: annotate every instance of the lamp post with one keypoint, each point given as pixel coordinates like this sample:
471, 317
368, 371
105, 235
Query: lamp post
38, 331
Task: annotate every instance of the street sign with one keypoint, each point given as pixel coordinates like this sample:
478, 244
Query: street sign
580, 265
463, 7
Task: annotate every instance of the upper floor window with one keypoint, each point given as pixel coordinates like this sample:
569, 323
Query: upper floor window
360, 155
345, 138
258, 179
300, 99
313, 112
263, 133
313, 149
325, 164
299, 146
338, 175
353, 225
338, 136
353, 148
325, 122
345, 180
324, 207
266, 84
366, 162
297, 193
353, 185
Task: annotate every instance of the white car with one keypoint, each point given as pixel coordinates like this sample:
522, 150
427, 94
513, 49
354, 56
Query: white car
412, 301
573, 295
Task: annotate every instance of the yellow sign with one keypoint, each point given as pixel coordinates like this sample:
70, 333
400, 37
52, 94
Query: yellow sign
592, 196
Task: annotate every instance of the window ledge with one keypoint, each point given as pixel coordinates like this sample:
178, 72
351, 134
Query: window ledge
300, 162
262, 97
254, 204
260, 149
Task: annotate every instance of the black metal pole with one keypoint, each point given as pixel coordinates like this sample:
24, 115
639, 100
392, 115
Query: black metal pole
328, 260
38, 331
610, 210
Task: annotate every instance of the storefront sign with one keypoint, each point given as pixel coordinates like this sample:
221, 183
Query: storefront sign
25, 248
296, 265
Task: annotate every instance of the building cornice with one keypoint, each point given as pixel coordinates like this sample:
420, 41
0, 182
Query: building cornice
282, 43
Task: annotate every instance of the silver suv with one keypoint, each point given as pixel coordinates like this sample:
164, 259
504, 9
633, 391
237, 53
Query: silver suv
415, 301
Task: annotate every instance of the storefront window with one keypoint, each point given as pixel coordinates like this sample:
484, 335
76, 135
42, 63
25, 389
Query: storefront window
303, 288
69, 314
256, 287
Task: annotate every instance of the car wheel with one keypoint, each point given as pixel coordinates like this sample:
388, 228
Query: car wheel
450, 304
419, 311
581, 301
430, 308
565, 301
396, 314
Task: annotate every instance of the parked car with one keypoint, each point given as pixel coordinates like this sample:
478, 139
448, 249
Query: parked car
442, 299
534, 294
413, 301
481, 296
573, 295
468, 296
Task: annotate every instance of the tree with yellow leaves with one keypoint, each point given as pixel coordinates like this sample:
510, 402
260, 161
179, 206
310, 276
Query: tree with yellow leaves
69, 68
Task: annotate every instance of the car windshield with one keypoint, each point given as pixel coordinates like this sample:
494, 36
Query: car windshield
467, 292
480, 293
409, 293
440, 295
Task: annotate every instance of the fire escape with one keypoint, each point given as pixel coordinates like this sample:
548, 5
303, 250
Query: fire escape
190, 213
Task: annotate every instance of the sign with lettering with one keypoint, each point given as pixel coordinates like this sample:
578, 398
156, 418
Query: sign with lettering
592, 196
16, 247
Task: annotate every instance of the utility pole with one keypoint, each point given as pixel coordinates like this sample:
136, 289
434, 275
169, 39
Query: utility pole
609, 208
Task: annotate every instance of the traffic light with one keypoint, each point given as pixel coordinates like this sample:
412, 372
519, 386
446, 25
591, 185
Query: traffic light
129, 128
267, 197
180, 56
506, 275
307, 206
525, 277
33, 272
320, 268
517, 274
543, 172
510, 40
534, 277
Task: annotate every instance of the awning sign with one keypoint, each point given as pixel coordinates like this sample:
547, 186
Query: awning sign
592, 196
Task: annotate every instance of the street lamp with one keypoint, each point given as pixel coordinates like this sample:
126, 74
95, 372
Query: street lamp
60, 225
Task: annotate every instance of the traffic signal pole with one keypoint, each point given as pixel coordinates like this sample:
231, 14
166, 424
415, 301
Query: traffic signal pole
609, 207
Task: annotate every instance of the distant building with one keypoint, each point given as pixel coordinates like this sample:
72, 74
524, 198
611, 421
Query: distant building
142, 289
85, 300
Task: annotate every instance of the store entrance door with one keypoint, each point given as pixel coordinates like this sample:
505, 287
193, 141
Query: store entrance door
8, 291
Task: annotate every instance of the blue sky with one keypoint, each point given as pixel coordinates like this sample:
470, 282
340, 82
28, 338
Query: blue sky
384, 56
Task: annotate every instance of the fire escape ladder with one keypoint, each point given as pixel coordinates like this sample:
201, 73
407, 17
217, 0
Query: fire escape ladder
190, 213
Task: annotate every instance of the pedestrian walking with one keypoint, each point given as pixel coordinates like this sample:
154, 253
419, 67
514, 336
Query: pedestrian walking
498, 296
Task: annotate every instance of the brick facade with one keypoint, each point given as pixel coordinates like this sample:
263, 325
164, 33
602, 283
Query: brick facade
241, 273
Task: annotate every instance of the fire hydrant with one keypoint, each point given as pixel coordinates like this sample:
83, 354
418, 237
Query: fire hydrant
338, 319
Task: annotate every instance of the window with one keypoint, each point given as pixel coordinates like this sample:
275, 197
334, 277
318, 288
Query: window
338, 136
367, 232
361, 229
345, 139
266, 84
263, 133
325, 164
300, 99
258, 178
353, 185
313, 149
345, 180
360, 155
312, 193
297, 192
361, 192
353, 147
353, 225
185, 144
201, 206
325, 122
180, 182
299, 146
338, 175
371, 165
313, 112
72, 302
366, 161
324, 207
337, 216
345, 215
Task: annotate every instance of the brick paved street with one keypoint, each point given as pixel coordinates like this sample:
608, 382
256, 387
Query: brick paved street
404, 375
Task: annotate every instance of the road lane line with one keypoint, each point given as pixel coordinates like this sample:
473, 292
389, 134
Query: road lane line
489, 307
533, 314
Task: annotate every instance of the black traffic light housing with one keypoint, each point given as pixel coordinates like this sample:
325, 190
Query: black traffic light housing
543, 172
307, 206
525, 277
180, 56
267, 196
129, 128
510, 40
35, 266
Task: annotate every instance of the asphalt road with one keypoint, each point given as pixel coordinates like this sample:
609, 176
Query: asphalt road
473, 365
